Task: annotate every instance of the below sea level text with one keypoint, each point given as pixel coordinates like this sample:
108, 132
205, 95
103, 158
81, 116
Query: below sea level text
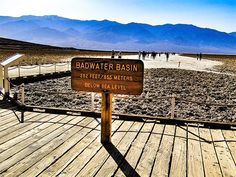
105, 86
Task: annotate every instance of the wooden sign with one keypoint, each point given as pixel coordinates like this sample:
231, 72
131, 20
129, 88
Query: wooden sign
119, 76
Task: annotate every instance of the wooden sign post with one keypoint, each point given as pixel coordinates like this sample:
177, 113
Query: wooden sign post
106, 116
107, 76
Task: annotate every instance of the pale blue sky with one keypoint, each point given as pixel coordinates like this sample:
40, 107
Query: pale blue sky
217, 14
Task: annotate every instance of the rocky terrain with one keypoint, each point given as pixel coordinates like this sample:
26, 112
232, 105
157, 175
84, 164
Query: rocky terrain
187, 85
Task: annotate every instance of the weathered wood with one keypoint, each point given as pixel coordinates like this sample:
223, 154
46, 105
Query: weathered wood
106, 116
36, 131
14, 120
225, 158
90, 144
172, 107
25, 158
52, 145
230, 138
10, 130
117, 157
8, 152
211, 165
163, 156
107, 75
99, 155
134, 153
178, 162
93, 166
52, 156
147, 159
9, 119
194, 158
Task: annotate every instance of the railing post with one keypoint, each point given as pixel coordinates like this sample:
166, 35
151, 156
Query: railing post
19, 70
173, 106
39, 68
68, 63
22, 117
22, 93
92, 101
6, 82
55, 67
1, 77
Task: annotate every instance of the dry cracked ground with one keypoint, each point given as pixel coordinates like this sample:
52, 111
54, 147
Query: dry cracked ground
187, 85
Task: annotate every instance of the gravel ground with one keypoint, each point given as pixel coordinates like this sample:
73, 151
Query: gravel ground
185, 84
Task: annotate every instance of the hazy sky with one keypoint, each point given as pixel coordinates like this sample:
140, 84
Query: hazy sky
217, 14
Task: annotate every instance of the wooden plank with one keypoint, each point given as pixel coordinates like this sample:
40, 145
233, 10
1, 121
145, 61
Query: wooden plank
12, 124
7, 153
4, 112
127, 166
163, 156
17, 158
11, 116
230, 139
89, 142
145, 164
82, 131
95, 154
178, 163
120, 149
194, 156
93, 151
211, 164
11, 127
35, 132
20, 128
10, 119
225, 158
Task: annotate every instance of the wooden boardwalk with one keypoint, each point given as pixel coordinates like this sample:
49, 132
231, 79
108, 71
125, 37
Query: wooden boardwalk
61, 145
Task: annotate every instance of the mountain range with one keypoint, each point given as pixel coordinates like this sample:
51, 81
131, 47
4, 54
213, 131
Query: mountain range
111, 35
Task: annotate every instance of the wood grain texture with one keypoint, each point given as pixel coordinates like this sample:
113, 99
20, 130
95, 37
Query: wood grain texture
178, 162
225, 158
210, 161
194, 158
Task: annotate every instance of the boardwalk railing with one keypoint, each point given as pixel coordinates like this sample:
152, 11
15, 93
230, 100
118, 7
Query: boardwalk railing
173, 100
28, 70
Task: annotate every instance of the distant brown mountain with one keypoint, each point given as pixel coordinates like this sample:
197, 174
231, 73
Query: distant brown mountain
18, 46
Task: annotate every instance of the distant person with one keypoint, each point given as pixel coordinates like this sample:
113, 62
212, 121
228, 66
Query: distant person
112, 54
119, 54
200, 56
167, 56
144, 55
139, 55
197, 56
153, 54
